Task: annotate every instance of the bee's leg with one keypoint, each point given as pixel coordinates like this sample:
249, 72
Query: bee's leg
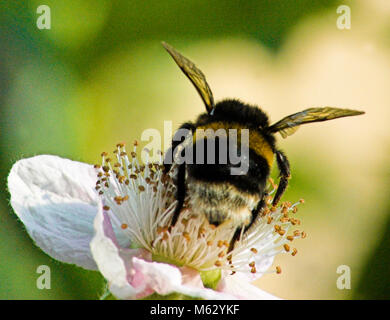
284, 168
235, 238
176, 141
255, 213
180, 192
179, 179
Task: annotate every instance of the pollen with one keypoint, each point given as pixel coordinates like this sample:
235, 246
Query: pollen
278, 270
124, 226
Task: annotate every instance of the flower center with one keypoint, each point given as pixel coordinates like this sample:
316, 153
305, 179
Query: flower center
140, 200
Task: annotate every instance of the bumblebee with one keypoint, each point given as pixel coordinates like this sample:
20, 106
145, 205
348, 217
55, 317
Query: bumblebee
210, 187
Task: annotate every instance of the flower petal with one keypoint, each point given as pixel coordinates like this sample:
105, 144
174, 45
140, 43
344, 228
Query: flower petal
56, 200
166, 279
114, 262
239, 286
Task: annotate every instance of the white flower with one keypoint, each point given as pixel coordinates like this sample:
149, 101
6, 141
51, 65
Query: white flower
116, 218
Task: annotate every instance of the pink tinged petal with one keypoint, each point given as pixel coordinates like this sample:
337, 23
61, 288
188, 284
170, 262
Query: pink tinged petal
166, 279
191, 277
160, 277
114, 262
238, 286
56, 200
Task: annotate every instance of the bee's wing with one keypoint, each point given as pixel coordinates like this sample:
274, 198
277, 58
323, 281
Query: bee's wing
196, 76
288, 125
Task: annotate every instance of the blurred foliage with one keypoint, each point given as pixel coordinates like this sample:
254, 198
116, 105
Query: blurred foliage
374, 282
58, 95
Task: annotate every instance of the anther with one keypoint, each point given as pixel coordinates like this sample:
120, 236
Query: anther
186, 236
286, 247
254, 250
297, 233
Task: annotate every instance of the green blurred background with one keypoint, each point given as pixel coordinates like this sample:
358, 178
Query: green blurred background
100, 76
